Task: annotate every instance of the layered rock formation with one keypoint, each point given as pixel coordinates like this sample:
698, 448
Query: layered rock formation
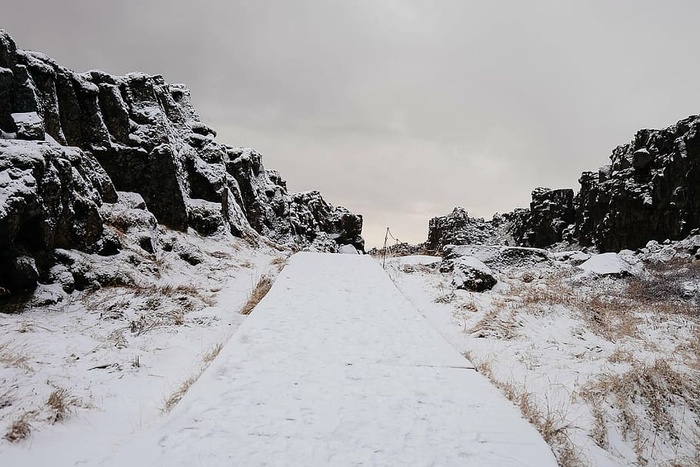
69, 141
650, 191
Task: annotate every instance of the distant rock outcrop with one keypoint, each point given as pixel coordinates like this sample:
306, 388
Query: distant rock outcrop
650, 191
70, 140
551, 212
457, 228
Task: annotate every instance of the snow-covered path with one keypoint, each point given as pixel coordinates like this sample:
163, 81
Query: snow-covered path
336, 367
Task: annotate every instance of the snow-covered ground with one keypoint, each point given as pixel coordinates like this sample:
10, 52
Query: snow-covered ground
601, 354
334, 367
84, 372
604, 359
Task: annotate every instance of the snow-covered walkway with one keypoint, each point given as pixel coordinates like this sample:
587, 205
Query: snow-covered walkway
336, 367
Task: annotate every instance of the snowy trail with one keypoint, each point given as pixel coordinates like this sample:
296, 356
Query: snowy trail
336, 367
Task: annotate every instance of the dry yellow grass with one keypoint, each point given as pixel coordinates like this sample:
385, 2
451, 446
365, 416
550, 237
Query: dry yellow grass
59, 403
550, 424
19, 429
177, 396
258, 293
212, 354
279, 261
180, 392
658, 389
12, 356
661, 396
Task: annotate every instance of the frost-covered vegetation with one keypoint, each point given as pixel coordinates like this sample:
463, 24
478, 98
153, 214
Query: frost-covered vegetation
605, 364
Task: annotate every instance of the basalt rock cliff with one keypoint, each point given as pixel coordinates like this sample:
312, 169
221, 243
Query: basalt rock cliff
650, 191
74, 145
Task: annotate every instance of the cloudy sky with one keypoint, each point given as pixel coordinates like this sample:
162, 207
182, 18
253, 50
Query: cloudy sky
400, 109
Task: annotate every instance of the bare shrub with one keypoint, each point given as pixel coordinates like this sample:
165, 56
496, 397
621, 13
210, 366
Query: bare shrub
19, 429
259, 291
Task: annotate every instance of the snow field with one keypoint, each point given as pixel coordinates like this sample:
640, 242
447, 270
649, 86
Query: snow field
609, 376
118, 354
336, 367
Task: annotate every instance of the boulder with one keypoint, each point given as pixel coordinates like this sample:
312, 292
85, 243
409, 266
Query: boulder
609, 264
469, 273
24, 274
498, 257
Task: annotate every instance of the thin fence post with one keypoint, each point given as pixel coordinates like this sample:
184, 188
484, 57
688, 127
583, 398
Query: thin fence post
386, 237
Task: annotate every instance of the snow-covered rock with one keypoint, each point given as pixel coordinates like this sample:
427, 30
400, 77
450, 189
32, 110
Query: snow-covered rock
650, 191
609, 264
49, 198
29, 125
348, 250
96, 133
498, 257
471, 274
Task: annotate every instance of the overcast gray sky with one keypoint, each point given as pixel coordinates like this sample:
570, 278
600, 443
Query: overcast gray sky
400, 109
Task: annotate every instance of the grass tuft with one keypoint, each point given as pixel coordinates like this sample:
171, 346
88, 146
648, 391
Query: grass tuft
550, 424
59, 403
259, 291
177, 396
19, 429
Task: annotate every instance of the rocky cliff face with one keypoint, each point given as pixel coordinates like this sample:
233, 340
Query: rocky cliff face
551, 213
70, 142
650, 191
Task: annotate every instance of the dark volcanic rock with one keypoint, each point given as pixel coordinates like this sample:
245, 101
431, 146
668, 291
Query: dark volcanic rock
651, 191
471, 274
149, 139
313, 216
457, 228
133, 133
29, 126
551, 211
49, 198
